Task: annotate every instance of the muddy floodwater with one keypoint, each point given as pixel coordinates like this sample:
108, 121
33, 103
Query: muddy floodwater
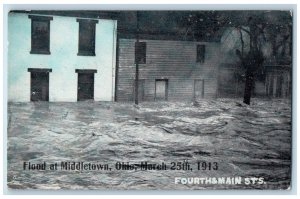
242, 141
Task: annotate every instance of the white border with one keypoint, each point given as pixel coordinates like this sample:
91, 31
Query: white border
133, 5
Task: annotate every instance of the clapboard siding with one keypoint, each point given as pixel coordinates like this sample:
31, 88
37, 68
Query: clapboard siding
172, 60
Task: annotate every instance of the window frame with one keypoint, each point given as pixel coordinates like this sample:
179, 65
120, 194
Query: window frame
200, 57
92, 24
46, 19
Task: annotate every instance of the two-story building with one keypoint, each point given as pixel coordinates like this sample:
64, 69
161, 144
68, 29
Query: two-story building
60, 58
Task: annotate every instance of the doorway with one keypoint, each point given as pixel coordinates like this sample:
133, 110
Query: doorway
85, 86
161, 89
39, 84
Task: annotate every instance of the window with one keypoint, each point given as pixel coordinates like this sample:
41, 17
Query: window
40, 34
200, 53
140, 52
87, 31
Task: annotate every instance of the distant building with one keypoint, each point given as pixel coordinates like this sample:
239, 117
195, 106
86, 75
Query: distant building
272, 80
278, 82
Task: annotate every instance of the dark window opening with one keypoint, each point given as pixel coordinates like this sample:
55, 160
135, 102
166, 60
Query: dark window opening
85, 84
87, 32
40, 34
140, 52
39, 84
200, 53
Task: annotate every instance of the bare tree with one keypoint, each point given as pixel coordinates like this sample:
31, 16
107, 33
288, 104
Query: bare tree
265, 29
253, 60
262, 33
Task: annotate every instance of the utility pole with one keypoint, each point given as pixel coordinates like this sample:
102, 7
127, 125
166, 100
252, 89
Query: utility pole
137, 59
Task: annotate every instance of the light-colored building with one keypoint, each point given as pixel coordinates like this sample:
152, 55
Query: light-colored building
58, 58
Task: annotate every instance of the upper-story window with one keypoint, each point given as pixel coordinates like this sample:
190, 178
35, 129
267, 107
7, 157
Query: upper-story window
200, 53
86, 42
40, 34
140, 52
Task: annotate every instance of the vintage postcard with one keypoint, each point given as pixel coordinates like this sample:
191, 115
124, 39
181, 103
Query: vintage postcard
149, 100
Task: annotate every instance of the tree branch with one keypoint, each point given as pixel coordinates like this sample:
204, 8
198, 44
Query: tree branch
242, 42
281, 43
243, 29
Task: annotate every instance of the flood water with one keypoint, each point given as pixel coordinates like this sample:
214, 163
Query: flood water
245, 141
